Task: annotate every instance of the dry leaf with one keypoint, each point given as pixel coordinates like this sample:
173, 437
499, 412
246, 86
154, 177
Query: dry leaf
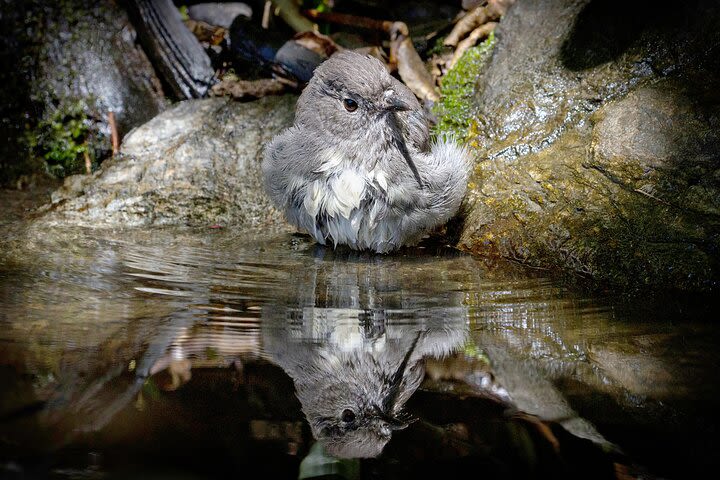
410, 66
487, 12
317, 42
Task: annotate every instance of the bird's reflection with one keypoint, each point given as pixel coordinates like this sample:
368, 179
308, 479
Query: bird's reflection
351, 331
353, 338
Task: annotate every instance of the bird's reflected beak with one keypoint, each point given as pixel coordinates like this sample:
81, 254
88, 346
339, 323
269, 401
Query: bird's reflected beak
392, 422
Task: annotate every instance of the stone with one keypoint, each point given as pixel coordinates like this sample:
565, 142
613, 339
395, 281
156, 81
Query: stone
195, 164
91, 57
596, 134
73, 61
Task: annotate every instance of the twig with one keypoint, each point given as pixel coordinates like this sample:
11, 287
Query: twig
352, 20
410, 66
650, 195
266, 14
88, 163
114, 137
290, 13
485, 12
480, 32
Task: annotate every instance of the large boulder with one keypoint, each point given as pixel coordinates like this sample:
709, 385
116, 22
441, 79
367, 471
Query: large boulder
68, 64
598, 143
196, 164
88, 64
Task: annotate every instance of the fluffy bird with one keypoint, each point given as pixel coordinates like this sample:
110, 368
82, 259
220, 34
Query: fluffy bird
357, 167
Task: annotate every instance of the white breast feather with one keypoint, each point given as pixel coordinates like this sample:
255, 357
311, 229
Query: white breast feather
331, 159
378, 175
347, 189
314, 197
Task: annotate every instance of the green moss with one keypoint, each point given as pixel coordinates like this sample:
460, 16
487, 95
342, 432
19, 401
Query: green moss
454, 110
438, 47
61, 140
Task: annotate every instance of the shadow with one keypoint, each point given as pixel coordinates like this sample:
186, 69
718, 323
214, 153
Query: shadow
18, 45
603, 31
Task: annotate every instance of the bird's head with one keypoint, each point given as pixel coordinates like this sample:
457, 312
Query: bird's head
351, 96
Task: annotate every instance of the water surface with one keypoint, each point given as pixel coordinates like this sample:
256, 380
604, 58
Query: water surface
186, 354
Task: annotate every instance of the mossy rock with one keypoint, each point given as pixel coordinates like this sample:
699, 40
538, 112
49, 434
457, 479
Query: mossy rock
601, 161
80, 62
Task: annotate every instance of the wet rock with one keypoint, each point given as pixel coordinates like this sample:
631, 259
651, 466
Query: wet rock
598, 138
298, 58
298, 61
196, 164
88, 64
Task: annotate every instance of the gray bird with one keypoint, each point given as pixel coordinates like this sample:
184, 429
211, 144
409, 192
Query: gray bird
358, 168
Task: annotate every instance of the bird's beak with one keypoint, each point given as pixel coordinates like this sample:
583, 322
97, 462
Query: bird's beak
394, 101
395, 104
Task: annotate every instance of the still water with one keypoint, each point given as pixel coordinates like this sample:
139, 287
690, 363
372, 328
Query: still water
181, 354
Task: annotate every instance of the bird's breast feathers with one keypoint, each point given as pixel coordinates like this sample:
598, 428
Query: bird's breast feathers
342, 186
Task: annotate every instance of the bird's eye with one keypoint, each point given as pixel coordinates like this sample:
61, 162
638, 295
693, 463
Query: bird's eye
347, 416
350, 104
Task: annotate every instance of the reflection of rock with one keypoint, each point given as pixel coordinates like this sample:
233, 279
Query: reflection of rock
354, 355
600, 136
197, 163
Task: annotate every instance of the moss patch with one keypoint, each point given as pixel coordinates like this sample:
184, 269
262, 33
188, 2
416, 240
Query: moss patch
61, 140
454, 110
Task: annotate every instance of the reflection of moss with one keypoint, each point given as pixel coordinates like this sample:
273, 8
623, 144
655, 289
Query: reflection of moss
454, 110
61, 140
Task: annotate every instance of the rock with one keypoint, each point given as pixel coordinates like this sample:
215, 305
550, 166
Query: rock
88, 65
72, 62
196, 164
298, 61
599, 137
